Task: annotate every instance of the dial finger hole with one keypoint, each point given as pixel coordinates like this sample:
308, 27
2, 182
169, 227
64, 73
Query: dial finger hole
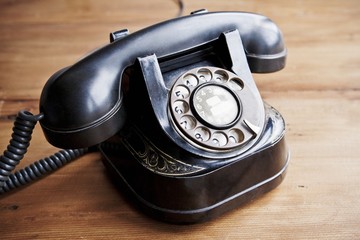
188, 122
180, 107
221, 76
202, 134
190, 80
219, 139
236, 136
204, 74
236, 84
181, 92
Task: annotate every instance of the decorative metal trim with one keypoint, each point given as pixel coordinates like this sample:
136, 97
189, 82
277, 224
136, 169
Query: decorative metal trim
154, 159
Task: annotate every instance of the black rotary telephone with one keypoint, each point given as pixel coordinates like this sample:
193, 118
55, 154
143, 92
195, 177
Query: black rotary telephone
175, 112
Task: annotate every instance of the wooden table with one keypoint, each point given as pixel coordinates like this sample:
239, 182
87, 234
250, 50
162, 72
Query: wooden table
318, 93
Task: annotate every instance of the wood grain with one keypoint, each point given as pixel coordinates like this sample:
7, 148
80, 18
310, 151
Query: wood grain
318, 94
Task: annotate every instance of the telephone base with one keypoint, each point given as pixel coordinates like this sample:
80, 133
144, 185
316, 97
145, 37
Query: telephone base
207, 193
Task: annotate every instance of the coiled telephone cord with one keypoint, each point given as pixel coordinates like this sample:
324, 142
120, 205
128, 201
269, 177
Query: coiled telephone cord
19, 143
17, 148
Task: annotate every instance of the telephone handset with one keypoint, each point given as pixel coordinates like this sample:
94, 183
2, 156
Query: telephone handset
176, 113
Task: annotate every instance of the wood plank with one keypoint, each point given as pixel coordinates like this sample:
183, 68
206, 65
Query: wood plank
318, 94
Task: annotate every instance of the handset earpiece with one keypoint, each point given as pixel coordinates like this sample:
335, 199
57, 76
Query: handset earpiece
80, 113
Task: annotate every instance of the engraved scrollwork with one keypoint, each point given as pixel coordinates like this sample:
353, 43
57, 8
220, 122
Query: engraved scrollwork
155, 160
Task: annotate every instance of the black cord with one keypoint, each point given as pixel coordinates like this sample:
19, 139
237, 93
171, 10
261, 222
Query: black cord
17, 148
19, 143
180, 4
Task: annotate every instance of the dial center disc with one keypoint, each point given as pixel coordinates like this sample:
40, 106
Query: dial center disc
216, 105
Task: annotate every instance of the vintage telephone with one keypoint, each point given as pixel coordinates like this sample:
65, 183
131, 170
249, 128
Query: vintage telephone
175, 112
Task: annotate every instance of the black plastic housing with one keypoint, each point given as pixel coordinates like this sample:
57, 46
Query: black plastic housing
210, 188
